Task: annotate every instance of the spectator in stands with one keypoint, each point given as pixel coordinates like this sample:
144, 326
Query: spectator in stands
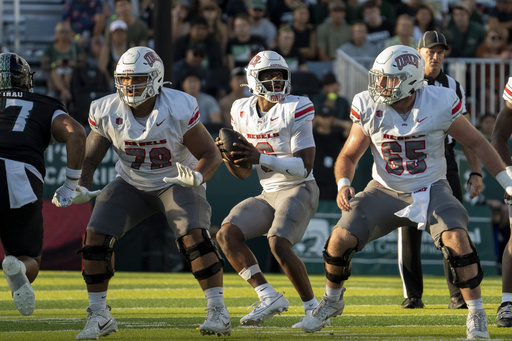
192, 63
475, 16
199, 34
379, 29
208, 106
359, 47
137, 28
329, 97
386, 9
334, 32
494, 45
146, 15
305, 33
244, 45
404, 33
111, 51
501, 16
285, 47
210, 10
424, 21
261, 26
465, 35
180, 18
329, 139
59, 59
87, 22
281, 12
237, 91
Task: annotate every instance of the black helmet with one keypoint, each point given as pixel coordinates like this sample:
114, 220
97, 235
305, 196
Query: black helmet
15, 73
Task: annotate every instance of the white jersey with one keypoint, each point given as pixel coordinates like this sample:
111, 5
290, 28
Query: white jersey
147, 153
507, 93
277, 133
408, 154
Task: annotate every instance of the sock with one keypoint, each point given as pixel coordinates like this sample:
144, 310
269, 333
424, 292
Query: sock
215, 297
97, 300
506, 297
265, 290
475, 304
333, 292
311, 304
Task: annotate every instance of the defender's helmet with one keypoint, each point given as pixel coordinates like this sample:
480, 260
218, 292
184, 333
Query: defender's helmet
139, 61
268, 60
397, 73
15, 73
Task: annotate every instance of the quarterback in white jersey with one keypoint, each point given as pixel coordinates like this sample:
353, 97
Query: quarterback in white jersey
165, 156
405, 123
278, 140
500, 137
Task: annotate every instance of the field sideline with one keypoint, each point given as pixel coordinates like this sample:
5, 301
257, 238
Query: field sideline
170, 306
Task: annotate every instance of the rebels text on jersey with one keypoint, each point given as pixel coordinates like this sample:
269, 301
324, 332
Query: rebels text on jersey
277, 133
147, 153
25, 126
408, 150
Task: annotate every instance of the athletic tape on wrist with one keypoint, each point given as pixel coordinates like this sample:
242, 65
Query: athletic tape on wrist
73, 173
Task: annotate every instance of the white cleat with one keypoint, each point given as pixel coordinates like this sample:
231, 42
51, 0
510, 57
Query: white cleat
99, 323
476, 325
265, 309
316, 318
22, 292
217, 322
326, 323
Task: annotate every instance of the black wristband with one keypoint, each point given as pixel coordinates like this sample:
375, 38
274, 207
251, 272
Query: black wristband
475, 173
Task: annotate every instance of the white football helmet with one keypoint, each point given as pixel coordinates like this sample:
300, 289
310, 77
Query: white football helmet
139, 61
397, 73
266, 60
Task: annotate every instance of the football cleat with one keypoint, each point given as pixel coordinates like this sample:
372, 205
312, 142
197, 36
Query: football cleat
504, 315
217, 322
476, 325
457, 302
412, 303
22, 292
264, 309
98, 323
326, 323
328, 307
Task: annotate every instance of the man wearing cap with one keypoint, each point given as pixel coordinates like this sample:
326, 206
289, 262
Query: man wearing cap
465, 35
261, 26
238, 91
334, 32
432, 47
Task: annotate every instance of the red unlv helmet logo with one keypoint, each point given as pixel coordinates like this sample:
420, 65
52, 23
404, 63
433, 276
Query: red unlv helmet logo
255, 60
151, 58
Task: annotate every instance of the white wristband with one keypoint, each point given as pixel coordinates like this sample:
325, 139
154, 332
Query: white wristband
509, 171
71, 184
342, 183
504, 179
73, 173
199, 177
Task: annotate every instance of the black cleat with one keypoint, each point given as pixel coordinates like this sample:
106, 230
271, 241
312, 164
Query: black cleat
412, 303
504, 315
457, 302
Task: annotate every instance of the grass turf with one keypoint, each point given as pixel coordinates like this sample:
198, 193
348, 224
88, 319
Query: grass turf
170, 306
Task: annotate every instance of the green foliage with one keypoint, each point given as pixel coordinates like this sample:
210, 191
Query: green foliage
170, 306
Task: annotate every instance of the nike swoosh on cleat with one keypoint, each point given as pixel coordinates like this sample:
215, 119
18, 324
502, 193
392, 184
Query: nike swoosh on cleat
288, 172
103, 326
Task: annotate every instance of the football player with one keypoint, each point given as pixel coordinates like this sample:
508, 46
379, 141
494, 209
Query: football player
500, 136
29, 122
278, 140
405, 124
157, 135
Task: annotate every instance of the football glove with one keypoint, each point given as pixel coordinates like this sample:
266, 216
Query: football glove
64, 194
82, 195
186, 177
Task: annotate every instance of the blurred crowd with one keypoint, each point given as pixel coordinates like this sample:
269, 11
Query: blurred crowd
213, 40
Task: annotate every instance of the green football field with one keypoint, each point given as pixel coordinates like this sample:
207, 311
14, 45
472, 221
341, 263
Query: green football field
170, 306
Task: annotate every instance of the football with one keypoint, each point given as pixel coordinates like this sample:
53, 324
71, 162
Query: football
228, 137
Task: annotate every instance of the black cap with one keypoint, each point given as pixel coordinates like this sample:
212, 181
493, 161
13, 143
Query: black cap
328, 78
431, 39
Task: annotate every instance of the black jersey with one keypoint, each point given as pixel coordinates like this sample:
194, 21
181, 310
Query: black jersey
25, 126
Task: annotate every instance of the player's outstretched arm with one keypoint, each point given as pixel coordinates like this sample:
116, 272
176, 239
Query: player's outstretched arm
66, 130
200, 143
96, 148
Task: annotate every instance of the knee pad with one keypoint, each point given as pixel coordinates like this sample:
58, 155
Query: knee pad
455, 262
99, 253
195, 251
343, 262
